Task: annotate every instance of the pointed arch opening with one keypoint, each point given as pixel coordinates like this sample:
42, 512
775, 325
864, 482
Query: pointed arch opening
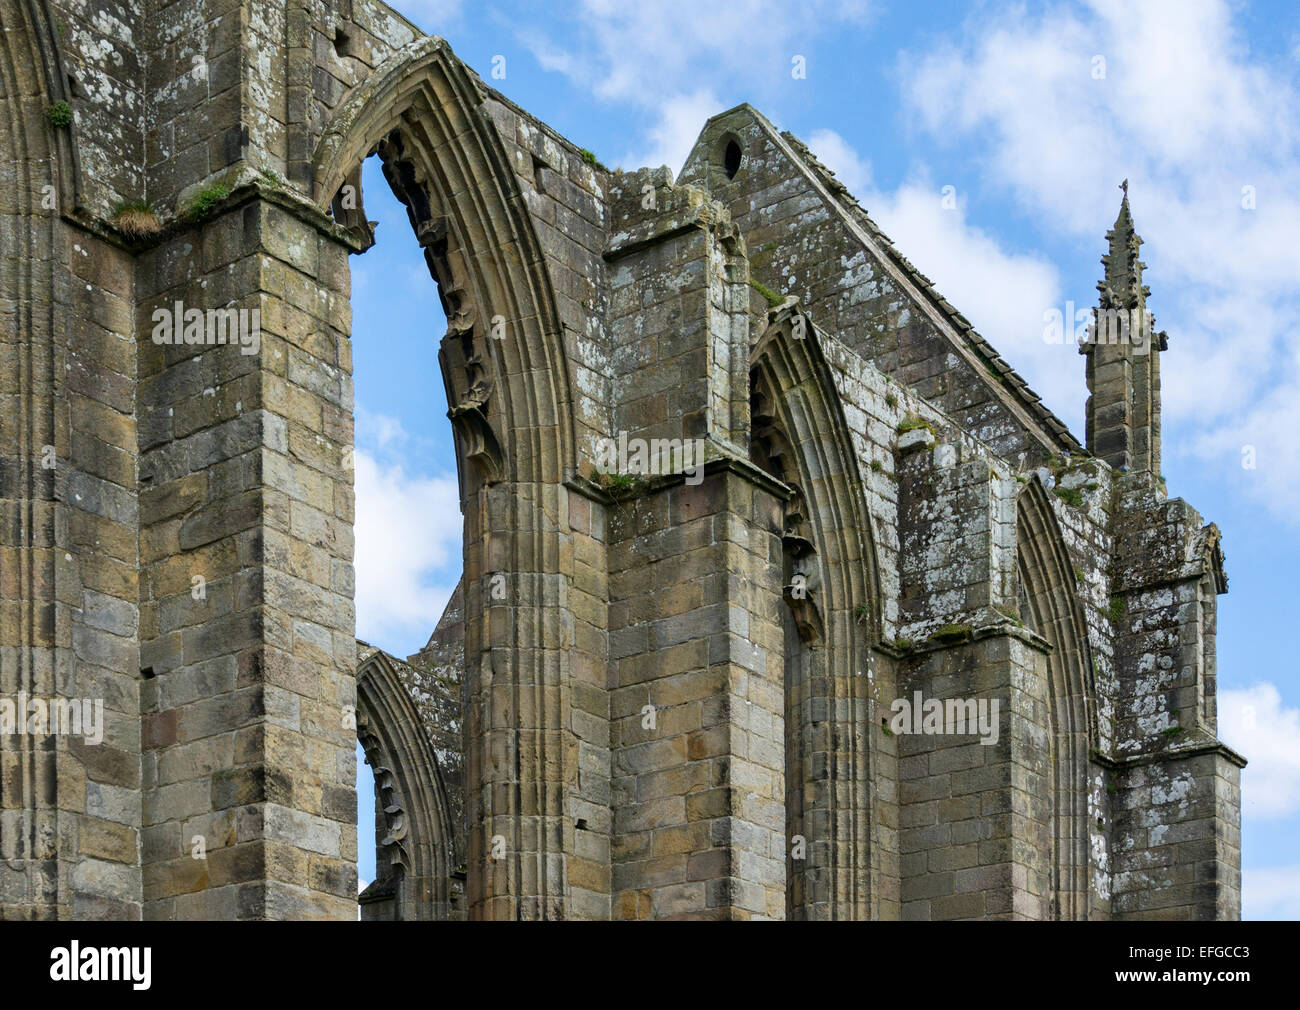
42, 183
832, 614
417, 853
1051, 608
504, 368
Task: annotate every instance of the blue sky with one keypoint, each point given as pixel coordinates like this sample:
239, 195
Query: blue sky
1033, 113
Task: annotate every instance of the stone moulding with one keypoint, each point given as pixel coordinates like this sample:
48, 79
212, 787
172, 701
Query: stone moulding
1047, 578
420, 837
863, 448
791, 374
424, 112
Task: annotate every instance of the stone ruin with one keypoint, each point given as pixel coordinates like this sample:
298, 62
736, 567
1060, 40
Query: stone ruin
662, 690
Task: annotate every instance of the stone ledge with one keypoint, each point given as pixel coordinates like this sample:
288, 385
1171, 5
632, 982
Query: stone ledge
245, 191
1191, 750
588, 488
1004, 629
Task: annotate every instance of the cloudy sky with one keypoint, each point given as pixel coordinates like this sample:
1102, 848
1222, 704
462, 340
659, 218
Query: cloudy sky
1032, 113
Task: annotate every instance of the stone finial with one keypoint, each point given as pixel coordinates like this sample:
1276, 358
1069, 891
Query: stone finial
1123, 370
1121, 287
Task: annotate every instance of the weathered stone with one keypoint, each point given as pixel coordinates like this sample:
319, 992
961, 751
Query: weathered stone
663, 688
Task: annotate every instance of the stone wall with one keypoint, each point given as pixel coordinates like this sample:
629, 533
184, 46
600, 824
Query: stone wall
657, 694
808, 237
246, 545
975, 816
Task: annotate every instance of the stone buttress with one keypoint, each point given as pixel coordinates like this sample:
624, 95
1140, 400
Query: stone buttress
735, 481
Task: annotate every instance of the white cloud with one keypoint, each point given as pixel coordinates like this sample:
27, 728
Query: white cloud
1263, 434
643, 52
835, 153
1271, 893
378, 429
671, 138
1255, 722
1004, 294
552, 57
431, 15
654, 56
1183, 114
408, 528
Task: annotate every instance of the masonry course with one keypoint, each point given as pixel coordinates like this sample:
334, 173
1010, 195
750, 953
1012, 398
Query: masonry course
650, 696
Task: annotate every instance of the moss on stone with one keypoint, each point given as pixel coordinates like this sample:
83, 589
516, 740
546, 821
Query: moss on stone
913, 423
59, 114
950, 634
773, 299
1070, 495
1010, 613
618, 485
202, 206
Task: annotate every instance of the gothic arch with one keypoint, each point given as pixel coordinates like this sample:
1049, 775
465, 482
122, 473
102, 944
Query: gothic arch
422, 112
32, 41
32, 282
1051, 607
506, 376
419, 846
800, 435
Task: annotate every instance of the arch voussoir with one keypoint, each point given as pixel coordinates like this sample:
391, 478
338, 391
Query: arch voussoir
828, 762
506, 376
